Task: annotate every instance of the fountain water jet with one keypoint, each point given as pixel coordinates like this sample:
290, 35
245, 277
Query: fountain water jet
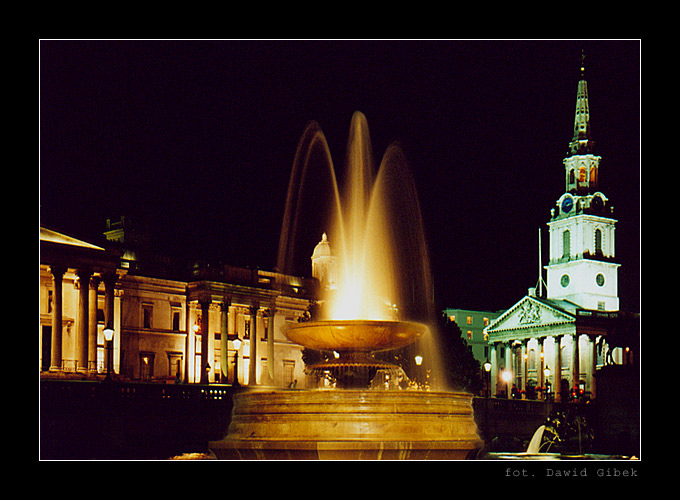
382, 301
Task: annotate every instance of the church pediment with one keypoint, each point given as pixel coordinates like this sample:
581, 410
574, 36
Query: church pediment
530, 312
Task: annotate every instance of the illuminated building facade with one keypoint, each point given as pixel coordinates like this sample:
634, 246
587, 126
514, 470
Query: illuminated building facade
472, 324
556, 340
202, 328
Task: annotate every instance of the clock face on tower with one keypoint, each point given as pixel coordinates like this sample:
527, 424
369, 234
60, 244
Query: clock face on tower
596, 203
567, 204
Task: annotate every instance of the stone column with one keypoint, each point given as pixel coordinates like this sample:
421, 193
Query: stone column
224, 339
541, 364
558, 367
188, 337
593, 368
92, 332
83, 319
508, 366
524, 353
109, 285
270, 345
252, 365
576, 370
205, 337
57, 316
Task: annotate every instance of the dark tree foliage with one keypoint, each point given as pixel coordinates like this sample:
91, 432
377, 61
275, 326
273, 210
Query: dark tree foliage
462, 369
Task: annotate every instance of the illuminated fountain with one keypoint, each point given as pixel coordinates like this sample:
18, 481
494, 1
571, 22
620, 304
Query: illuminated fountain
379, 300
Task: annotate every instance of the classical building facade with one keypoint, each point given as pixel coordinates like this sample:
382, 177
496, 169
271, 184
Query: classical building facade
552, 342
206, 327
77, 300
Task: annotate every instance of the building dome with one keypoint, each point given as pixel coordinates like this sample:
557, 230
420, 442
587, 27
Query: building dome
322, 249
323, 264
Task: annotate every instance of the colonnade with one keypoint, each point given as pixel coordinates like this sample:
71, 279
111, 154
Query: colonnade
85, 353
512, 364
206, 302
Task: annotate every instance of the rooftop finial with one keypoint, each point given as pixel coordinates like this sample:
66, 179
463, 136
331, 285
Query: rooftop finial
583, 63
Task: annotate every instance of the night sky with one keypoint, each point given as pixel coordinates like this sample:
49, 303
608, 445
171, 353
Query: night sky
198, 138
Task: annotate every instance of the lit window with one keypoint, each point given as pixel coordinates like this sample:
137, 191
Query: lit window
486, 321
469, 334
469, 320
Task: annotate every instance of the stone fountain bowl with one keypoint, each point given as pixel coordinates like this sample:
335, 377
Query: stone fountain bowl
358, 335
350, 425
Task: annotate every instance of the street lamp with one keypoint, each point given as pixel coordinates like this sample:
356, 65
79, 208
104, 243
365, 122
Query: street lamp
487, 369
237, 346
506, 375
546, 372
108, 336
419, 360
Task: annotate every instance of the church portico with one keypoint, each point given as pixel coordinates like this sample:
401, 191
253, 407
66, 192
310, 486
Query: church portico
539, 367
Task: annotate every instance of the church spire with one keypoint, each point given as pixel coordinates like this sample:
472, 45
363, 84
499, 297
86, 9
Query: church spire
582, 142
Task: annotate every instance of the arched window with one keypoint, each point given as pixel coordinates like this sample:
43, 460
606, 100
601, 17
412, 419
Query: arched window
593, 176
598, 241
582, 175
566, 244
572, 180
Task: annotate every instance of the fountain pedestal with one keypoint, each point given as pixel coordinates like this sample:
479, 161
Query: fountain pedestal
350, 425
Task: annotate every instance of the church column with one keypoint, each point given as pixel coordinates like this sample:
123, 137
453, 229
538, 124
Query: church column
524, 365
204, 301
508, 367
541, 364
593, 365
576, 358
83, 319
252, 365
57, 316
558, 367
92, 330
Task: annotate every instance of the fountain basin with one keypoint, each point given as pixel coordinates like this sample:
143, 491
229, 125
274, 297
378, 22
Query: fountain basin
356, 335
350, 425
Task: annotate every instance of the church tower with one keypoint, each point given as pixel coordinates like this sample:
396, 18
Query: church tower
581, 267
